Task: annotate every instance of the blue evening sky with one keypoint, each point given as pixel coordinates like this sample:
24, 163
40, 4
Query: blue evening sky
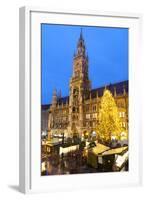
107, 50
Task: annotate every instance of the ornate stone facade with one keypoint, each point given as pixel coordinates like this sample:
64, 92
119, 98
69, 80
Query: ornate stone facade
78, 112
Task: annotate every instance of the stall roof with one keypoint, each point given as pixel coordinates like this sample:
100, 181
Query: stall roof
115, 151
52, 142
100, 148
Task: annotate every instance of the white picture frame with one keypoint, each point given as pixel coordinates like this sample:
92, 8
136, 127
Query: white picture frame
30, 178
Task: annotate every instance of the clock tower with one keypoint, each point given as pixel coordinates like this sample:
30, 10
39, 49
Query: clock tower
79, 88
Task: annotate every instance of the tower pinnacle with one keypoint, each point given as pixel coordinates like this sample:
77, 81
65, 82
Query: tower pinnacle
81, 45
54, 98
81, 35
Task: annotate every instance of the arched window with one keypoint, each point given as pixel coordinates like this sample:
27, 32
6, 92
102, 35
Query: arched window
74, 109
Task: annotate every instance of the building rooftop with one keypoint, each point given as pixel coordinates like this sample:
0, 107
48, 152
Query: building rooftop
115, 87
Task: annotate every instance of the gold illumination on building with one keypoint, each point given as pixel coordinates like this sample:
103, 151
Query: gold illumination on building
78, 113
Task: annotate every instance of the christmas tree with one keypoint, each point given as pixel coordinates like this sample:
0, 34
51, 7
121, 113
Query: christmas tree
109, 120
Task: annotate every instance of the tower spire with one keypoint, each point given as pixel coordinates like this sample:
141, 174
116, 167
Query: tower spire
81, 35
81, 45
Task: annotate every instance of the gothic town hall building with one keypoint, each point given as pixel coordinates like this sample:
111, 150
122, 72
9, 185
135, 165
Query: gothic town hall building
78, 113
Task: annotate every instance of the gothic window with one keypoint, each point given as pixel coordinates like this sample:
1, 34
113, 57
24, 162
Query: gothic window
121, 114
74, 109
94, 108
76, 91
120, 104
87, 116
94, 115
73, 117
124, 124
87, 108
94, 124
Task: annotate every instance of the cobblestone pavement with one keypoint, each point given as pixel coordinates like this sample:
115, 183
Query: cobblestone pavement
71, 163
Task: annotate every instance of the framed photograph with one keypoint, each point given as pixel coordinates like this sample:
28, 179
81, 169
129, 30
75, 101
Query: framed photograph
80, 124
